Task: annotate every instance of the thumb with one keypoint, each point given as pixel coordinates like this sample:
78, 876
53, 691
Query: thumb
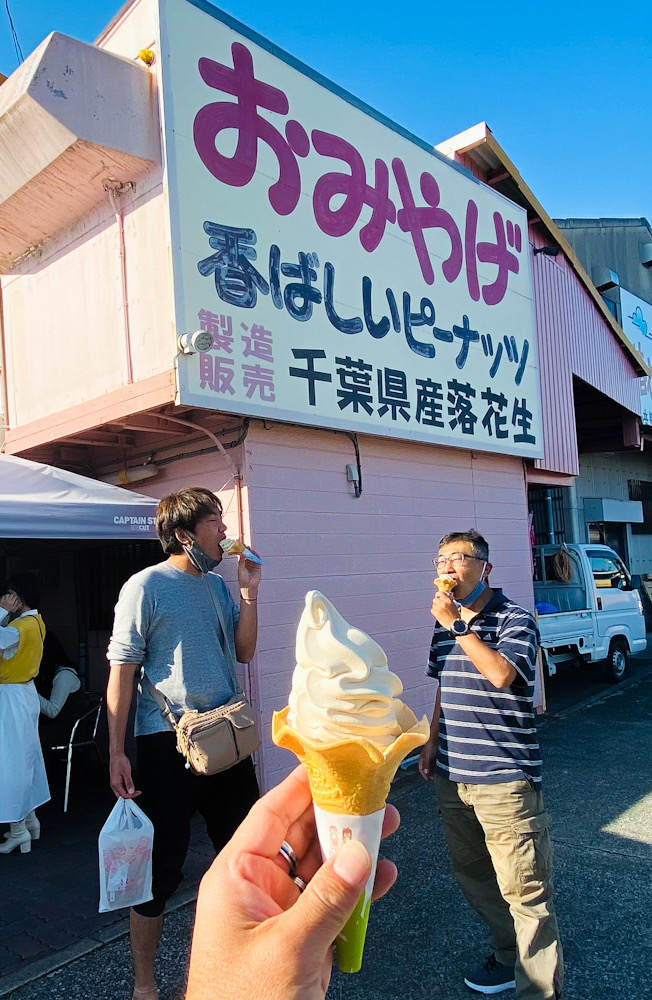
329, 899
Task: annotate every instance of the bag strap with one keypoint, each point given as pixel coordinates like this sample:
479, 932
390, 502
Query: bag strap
229, 652
161, 701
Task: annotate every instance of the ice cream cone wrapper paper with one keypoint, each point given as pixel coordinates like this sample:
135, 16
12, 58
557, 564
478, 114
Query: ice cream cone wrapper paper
350, 781
333, 829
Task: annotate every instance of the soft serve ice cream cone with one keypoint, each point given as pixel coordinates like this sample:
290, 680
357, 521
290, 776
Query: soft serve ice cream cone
236, 547
233, 546
346, 724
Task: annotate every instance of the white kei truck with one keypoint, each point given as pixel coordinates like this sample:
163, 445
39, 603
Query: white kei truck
588, 606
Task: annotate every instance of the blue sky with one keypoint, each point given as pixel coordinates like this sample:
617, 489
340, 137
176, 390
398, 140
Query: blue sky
564, 86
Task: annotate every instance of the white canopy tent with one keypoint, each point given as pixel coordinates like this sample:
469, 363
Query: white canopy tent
39, 501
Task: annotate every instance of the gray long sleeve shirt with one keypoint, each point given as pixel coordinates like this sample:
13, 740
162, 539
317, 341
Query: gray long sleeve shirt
165, 620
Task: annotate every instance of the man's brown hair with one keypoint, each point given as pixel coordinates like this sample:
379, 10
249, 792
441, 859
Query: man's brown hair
480, 545
183, 509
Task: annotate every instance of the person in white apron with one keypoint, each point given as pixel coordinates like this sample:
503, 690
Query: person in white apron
23, 781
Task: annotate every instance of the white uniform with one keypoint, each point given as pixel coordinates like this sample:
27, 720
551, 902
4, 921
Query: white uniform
23, 781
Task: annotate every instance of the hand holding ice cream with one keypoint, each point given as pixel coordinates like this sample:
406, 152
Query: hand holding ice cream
346, 724
252, 917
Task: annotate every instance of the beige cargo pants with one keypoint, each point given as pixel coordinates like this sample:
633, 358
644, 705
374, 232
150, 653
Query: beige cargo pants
500, 847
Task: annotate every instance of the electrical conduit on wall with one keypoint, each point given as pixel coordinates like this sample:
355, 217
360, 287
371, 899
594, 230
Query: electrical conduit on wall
113, 188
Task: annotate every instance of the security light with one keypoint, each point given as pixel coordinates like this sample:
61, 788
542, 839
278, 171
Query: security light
199, 342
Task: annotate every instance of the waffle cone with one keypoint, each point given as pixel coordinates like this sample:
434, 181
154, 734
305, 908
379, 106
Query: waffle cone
233, 546
444, 584
351, 776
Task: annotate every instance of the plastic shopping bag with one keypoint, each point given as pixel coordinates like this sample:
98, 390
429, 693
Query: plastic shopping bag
125, 849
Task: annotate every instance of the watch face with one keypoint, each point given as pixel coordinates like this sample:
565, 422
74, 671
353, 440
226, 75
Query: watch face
459, 627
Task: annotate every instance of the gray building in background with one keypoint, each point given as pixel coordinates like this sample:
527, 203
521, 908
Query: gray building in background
616, 253
611, 498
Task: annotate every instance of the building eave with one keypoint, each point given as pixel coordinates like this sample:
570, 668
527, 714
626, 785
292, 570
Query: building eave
480, 145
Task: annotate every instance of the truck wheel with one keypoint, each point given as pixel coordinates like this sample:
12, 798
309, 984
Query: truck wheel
616, 663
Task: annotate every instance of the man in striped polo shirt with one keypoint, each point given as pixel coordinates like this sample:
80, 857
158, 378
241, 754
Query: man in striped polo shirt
483, 756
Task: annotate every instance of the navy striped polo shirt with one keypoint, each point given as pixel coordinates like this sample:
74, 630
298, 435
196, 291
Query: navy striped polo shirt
487, 735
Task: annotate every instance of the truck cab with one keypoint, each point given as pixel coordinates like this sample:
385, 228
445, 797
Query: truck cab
588, 607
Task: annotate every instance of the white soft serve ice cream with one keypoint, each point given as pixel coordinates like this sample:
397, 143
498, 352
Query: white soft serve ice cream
341, 686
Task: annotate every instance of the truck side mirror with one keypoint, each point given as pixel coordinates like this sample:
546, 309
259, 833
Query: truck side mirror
637, 583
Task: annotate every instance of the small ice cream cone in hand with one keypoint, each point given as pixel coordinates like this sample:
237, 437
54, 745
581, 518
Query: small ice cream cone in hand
236, 547
445, 583
346, 725
233, 546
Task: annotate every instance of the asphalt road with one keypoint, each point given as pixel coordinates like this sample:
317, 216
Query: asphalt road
422, 938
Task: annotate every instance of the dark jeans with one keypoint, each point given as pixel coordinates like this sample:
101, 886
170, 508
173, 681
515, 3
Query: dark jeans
171, 795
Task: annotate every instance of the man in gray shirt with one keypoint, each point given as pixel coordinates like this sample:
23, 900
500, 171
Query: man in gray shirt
166, 623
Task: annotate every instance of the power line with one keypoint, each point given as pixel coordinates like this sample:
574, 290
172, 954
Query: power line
19, 52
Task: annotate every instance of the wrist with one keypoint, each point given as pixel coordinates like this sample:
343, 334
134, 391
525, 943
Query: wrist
249, 595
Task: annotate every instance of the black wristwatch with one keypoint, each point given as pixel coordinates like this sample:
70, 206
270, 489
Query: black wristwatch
459, 628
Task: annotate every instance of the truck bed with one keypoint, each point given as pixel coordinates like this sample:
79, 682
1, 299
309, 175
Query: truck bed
567, 628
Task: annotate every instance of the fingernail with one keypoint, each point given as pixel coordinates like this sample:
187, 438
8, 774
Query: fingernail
352, 862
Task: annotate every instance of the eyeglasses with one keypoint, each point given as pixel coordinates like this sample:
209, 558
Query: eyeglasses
455, 559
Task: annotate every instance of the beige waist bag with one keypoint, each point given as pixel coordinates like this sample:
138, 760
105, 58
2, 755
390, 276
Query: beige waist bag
214, 741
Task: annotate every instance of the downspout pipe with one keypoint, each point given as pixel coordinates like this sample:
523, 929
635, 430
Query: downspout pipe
550, 518
113, 188
237, 478
3, 365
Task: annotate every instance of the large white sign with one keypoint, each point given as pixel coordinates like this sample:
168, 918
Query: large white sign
350, 277
637, 326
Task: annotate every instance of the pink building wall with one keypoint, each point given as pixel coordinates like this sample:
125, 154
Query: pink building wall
573, 340
555, 370
371, 556
80, 341
65, 301
573, 337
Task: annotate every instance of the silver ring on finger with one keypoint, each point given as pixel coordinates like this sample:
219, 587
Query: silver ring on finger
289, 855
298, 881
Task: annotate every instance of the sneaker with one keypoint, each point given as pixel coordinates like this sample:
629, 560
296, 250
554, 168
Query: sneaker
492, 977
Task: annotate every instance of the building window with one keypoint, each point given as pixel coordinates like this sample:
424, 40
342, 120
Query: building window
612, 307
641, 490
